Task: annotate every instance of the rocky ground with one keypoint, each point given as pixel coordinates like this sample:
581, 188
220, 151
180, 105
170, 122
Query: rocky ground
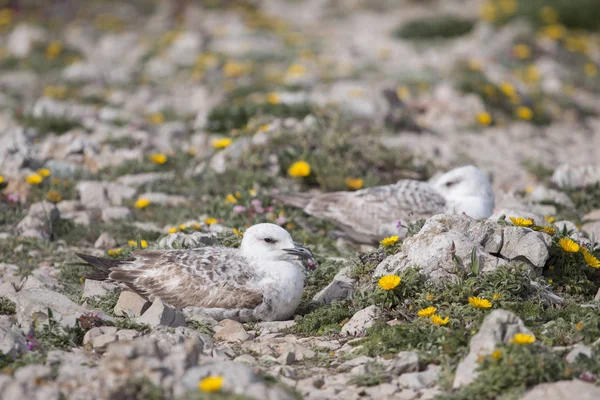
168, 124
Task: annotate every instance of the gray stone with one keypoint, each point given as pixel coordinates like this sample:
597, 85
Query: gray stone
92, 288
420, 380
405, 361
196, 314
275, 326
246, 359
163, 199
115, 214
136, 180
12, 342
99, 343
130, 304
22, 39
229, 157
497, 328
300, 352
39, 221
340, 288
127, 334
98, 331
579, 349
287, 358
522, 244
563, 390
230, 331
161, 314
361, 321
105, 241
100, 195
575, 176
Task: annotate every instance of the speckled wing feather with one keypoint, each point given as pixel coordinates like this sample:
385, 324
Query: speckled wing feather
210, 277
371, 214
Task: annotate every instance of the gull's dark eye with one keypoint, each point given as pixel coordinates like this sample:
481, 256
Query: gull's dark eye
269, 240
450, 183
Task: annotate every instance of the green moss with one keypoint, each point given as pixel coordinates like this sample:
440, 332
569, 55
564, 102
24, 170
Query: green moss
105, 303
7, 306
46, 124
323, 320
443, 27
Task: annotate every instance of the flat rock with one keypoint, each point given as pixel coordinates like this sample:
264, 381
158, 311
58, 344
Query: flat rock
579, 349
101, 194
405, 361
115, 214
105, 241
12, 342
522, 244
275, 326
38, 221
164, 199
92, 288
420, 380
230, 331
563, 390
361, 321
161, 314
130, 304
340, 288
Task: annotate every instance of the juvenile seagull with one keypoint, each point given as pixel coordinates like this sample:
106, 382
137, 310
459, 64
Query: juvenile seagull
370, 214
262, 280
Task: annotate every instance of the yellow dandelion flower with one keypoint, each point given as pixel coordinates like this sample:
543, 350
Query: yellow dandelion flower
114, 252
437, 320
429, 297
479, 302
238, 194
45, 172
521, 51
132, 243
427, 312
299, 169
403, 92
550, 281
549, 230
1, 179
591, 260
230, 199
237, 232
474, 64
182, 227
522, 338
158, 158
156, 118
53, 50
252, 192
549, 219
590, 70
53, 196
389, 241
532, 74
554, 31
142, 203
525, 113
526, 222
222, 143
210, 221
34, 179
548, 15
273, 98
296, 70
496, 296
389, 282
196, 226
173, 230
579, 326
569, 245
508, 89
484, 118
354, 183
143, 244
489, 90
497, 355
211, 384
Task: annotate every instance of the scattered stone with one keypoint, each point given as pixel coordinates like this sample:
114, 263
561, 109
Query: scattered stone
575, 176
136, 180
12, 342
101, 195
98, 331
161, 314
230, 331
23, 38
164, 199
522, 244
563, 390
579, 349
287, 358
340, 288
92, 288
105, 242
497, 328
420, 380
405, 361
361, 321
130, 304
275, 326
39, 221
115, 214
246, 359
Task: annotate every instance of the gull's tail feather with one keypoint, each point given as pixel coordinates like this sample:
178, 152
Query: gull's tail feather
298, 200
101, 266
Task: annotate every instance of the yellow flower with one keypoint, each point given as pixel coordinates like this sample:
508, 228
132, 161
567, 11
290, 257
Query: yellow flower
479, 302
158, 158
549, 219
34, 179
156, 118
496, 296
497, 354
590, 70
53, 196
522, 338
388, 282
1, 179
6, 16
230, 199
132, 243
488, 12
532, 74
299, 169
237, 232
53, 50
474, 64
579, 326
196, 226
489, 90
427, 312
221, 143
182, 227
549, 230
296, 70
233, 69
554, 31
437, 320
484, 118
45, 172
508, 89
429, 297
389, 241
526, 222
56, 92
114, 252
173, 230
210, 221
548, 15
522, 51
143, 244
524, 113
273, 98
354, 183
252, 192
142, 203
568, 245
591, 260
403, 92
211, 384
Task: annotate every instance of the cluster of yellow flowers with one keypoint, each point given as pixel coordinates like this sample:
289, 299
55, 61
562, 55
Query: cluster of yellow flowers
38, 177
134, 243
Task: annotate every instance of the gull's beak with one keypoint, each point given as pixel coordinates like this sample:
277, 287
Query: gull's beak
304, 254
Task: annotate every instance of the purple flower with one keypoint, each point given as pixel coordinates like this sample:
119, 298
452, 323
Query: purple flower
239, 209
32, 342
256, 203
398, 224
281, 220
12, 198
